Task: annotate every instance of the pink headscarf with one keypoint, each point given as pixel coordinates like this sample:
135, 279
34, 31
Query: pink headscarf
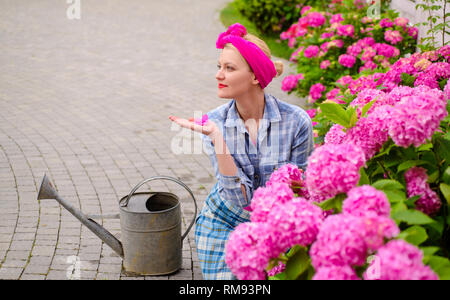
262, 66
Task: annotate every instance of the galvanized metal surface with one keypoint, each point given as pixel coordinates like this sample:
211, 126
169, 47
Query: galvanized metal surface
150, 226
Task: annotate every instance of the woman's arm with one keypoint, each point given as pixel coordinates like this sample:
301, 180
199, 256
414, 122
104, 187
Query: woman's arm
227, 168
225, 161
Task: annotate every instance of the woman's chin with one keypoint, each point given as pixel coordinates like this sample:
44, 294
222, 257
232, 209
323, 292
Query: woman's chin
223, 95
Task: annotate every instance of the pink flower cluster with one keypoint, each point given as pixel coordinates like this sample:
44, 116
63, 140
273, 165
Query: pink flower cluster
416, 184
347, 60
346, 240
266, 198
316, 91
366, 201
290, 82
249, 249
333, 169
409, 116
398, 260
315, 19
311, 51
291, 175
393, 36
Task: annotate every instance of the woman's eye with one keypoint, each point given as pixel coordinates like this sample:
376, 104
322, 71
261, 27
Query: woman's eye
229, 68
218, 67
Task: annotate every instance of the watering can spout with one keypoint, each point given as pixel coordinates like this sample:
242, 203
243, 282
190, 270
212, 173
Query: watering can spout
48, 191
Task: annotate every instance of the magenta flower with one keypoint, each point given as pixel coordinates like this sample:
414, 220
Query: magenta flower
339, 243
416, 118
393, 36
311, 51
337, 18
315, 19
354, 50
347, 60
402, 22
335, 135
295, 223
416, 184
291, 175
333, 169
386, 23
316, 91
447, 91
398, 260
249, 249
325, 64
346, 30
290, 82
366, 201
266, 198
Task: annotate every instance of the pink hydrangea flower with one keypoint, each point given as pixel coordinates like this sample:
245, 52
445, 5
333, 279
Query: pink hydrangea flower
336, 273
327, 35
375, 229
402, 22
294, 56
386, 50
345, 80
346, 30
266, 198
335, 135
366, 201
339, 243
393, 36
398, 260
305, 9
290, 82
368, 54
366, 42
369, 134
316, 91
445, 52
413, 32
337, 18
311, 51
447, 91
315, 19
333, 169
386, 23
295, 223
416, 184
291, 175
347, 60
249, 249
277, 269
415, 118
354, 50
325, 64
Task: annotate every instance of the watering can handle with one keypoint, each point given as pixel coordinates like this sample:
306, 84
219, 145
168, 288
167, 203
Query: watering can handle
125, 203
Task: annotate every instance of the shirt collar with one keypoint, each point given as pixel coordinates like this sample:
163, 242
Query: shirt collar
271, 113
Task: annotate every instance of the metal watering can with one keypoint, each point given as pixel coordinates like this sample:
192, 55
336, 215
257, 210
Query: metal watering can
150, 227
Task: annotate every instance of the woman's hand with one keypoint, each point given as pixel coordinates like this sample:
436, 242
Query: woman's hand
209, 129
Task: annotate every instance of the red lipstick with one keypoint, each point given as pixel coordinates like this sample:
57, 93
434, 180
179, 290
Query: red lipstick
221, 86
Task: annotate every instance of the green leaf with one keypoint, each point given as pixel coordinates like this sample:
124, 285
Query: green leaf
407, 79
363, 178
297, 264
366, 107
411, 201
415, 235
429, 250
335, 113
446, 176
409, 164
388, 184
412, 217
441, 266
332, 203
445, 189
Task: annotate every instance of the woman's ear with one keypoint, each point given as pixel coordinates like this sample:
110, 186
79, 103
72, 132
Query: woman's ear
255, 81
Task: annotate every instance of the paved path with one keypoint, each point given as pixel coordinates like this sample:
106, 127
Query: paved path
86, 101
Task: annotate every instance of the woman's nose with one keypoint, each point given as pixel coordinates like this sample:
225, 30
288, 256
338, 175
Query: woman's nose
219, 75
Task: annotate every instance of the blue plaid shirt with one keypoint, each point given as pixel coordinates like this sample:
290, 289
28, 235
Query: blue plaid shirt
285, 135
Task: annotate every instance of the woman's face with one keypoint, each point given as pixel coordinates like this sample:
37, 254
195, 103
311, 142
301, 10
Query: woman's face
234, 76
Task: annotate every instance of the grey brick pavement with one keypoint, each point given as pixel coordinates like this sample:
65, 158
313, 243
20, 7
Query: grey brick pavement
86, 101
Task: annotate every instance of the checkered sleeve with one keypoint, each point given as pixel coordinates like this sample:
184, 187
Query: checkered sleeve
230, 186
303, 144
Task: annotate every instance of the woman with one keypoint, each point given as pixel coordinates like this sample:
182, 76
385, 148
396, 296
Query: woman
246, 139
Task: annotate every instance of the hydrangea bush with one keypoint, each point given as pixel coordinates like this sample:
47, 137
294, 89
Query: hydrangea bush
343, 41
373, 202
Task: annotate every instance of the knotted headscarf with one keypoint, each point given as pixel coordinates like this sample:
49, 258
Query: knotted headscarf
262, 66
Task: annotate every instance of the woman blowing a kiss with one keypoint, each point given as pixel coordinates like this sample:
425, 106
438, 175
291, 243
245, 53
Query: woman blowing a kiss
246, 138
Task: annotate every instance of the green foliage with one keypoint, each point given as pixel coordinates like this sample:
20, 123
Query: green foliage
272, 16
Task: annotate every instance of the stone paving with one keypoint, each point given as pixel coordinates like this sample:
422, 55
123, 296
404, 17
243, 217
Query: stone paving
86, 102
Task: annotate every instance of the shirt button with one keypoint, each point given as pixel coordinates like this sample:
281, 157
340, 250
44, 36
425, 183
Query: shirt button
237, 180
